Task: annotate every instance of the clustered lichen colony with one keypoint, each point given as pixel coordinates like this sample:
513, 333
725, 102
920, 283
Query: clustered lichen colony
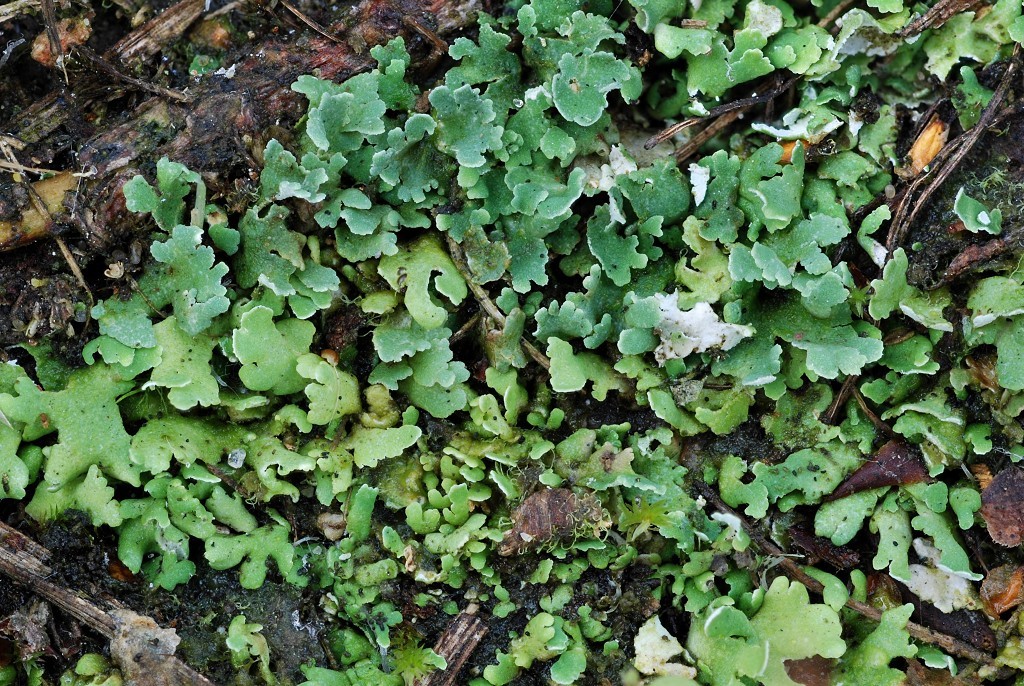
511, 202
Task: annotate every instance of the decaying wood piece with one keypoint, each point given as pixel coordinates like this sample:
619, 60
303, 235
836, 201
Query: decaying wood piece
222, 130
33, 224
455, 645
16, 8
143, 651
51, 111
974, 256
158, 32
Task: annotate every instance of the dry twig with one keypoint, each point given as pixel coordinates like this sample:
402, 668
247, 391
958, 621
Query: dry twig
939, 14
455, 250
22, 560
950, 644
948, 160
455, 645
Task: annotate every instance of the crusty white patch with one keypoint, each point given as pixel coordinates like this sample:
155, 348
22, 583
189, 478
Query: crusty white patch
654, 647
938, 585
696, 330
699, 179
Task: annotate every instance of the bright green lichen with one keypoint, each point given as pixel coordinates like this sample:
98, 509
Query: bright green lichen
528, 304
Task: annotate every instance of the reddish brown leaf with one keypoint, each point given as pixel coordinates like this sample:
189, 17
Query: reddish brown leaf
1003, 589
550, 516
895, 464
1002, 506
811, 671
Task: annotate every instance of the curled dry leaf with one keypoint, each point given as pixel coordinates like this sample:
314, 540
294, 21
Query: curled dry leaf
1002, 506
927, 145
551, 516
332, 524
895, 464
1003, 589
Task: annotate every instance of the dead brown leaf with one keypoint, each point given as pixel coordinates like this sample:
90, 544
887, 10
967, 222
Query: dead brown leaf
811, 671
1003, 589
895, 464
550, 516
1002, 506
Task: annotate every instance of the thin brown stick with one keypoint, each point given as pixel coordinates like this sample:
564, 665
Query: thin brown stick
793, 570
21, 560
939, 14
53, 35
704, 135
875, 420
455, 645
948, 160
828, 21
485, 302
109, 69
466, 328
308, 21
829, 416
741, 105
30, 573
